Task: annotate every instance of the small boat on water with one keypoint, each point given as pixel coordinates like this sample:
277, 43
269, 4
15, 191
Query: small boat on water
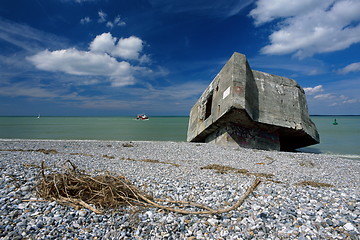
335, 123
142, 117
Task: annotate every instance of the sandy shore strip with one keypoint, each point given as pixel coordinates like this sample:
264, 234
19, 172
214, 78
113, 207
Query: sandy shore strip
302, 195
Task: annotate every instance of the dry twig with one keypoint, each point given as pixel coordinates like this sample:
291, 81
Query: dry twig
208, 210
78, 189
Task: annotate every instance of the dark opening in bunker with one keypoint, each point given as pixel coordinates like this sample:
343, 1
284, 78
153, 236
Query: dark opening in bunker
208, 106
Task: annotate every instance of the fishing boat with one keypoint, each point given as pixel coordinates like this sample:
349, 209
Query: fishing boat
142, 117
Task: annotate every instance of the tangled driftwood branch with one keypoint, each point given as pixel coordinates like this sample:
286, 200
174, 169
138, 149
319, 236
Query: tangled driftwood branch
207, 209
78, 189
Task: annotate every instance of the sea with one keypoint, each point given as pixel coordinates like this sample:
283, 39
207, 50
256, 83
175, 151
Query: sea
341, 139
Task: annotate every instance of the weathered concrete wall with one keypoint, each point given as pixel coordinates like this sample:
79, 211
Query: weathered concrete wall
278, 97
252, 109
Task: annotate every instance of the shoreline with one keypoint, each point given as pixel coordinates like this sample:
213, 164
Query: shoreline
350, 156
287, 204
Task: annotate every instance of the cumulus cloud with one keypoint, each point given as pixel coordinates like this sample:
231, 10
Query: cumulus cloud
308, 27
354, 67
313, 90
75, 62
127, 48
101, 60
103, 43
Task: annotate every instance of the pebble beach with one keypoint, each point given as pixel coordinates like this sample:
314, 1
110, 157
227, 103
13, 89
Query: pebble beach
301, 195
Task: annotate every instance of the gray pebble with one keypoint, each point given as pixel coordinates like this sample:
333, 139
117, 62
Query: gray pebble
273, 211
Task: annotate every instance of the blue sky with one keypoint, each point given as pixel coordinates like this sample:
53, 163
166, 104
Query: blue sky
120, 57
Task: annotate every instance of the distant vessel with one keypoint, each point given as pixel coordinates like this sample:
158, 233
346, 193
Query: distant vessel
335, 123
38, 115
142, 117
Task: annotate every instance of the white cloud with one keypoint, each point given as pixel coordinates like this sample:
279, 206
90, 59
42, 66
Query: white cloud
351, 101
308, 27
313, 90
101, 60
110, 24
117, 22
102, 16
267, 11
85, 20
326, 96
126, 48
354, 67
75, 62
345, 101
26, 37
333, 100
103, 43
341, 97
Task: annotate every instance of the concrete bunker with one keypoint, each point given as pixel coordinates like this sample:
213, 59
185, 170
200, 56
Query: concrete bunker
253, 109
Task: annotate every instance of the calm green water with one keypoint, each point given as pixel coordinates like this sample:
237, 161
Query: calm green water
343, 139
95, 128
